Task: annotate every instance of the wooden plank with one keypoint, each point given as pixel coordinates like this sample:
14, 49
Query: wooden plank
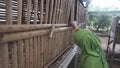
14, 56
35, 11
20, 54
27, 55
19, 18
51, 11
35, 52
4, 55
31, 53
14, 28
47, 11
28, 34
41, 11
28, 11
8, 11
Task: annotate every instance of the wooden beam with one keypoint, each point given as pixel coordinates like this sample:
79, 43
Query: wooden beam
22, 35
13, 28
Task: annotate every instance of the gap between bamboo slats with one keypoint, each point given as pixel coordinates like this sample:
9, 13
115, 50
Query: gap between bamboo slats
13, 28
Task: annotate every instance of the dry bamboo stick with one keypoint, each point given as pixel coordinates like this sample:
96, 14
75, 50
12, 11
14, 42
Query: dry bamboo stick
28, 11
47, 66
4, 55
35, 53
35, 11
23, 35
14, 56
13, 28
41, 11
27, 62
31, 53
8, 11
47, 10
19, 18
20, 54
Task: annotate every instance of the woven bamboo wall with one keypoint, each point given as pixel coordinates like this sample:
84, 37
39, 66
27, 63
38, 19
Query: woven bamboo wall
25, 27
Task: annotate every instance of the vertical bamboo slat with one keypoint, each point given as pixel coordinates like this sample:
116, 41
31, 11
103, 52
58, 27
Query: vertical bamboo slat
20, 54
42, 51
4, 55
35, 11
35, 52
14, 56
27, 53
8, 11
41, 11
51, 11
47, 11
28, 11
39, 53
31, 53
19, 11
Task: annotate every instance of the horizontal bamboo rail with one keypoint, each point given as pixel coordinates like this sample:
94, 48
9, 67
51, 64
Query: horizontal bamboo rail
13, 28
22, 35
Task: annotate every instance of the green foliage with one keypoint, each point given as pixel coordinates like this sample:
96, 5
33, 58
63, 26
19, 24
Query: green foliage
99, 21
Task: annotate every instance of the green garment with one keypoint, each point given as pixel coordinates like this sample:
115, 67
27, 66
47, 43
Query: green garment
92, 55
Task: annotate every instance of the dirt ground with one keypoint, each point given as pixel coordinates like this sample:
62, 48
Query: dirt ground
104, 41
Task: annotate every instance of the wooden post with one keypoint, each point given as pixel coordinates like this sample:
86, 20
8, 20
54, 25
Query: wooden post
8, 11
47, 11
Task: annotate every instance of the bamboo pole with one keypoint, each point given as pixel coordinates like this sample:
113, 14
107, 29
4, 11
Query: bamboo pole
20, 54
35, 11
8, 11
31, 53
51, 11
27, 61
19, 11
35, 52
39, 53
28, 11
42, 51
47, 10
13, 28
4, 55
41, 11
14, 56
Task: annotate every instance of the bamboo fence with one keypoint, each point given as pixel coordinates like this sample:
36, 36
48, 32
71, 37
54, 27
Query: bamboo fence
25, 26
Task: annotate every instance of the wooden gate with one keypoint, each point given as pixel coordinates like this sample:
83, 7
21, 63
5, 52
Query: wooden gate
25, 27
